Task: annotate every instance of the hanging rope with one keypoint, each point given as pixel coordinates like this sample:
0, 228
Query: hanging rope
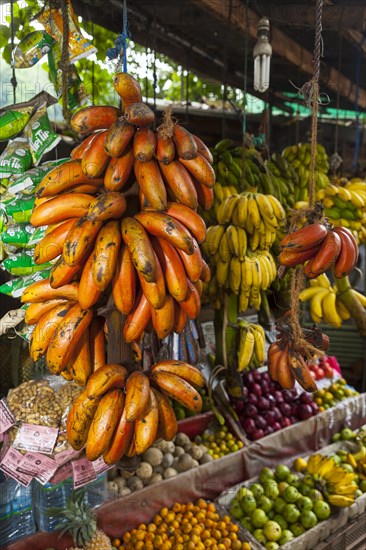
336, 134
357, 121
224, 76
13, 79
65, 65
93, 67
245, 87
120, 49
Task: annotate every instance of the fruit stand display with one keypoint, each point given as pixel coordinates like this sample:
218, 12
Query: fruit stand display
135, 434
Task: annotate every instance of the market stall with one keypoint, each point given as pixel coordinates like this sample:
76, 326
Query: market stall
183, 359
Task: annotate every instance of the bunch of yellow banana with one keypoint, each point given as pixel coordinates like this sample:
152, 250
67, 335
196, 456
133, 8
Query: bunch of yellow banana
346, 206
299, 157
339, 486
251, 352
324, 302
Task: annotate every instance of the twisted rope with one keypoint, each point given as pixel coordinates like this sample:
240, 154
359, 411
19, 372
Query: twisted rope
65, 60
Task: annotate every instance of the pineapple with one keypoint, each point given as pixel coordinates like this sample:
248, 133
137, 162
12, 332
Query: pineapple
82, 524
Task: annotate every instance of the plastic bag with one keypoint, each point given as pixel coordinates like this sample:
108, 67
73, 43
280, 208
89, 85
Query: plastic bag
40, 135
27, 182
22, 263
77, 94
31, 49
18, 208
21, 235
16, 158
16, 287
12, 122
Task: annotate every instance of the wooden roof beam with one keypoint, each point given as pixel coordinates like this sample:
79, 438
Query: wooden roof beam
285, 47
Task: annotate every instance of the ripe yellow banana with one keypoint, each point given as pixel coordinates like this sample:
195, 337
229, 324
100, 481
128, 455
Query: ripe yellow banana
316, 310
235, 275
233, 240
253, 212
242, 210
330, 314
246, 348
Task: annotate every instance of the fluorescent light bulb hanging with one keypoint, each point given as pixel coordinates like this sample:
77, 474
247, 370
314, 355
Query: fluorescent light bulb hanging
262, 54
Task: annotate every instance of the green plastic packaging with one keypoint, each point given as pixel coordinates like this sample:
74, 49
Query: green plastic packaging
27, 182
18, 208
16, 287
22, 263
31, 49
40, 135
77, 94
21, 235
16, 158
13, 122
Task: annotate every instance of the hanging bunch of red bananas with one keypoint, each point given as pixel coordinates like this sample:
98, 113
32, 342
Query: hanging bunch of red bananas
322, 248
150, 262
118, 415
287, 358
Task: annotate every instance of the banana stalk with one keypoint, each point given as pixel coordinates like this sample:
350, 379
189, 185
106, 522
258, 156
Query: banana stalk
345, 296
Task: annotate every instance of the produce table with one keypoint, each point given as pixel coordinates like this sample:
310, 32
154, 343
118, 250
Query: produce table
209, 480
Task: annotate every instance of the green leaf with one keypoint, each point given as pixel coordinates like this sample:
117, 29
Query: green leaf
7, 54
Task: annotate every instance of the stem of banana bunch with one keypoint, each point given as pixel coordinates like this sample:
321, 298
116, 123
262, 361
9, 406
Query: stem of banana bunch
224, 327
356, 310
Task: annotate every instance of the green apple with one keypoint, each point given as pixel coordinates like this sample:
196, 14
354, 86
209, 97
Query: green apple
282, 486
336, 437
260, 536
291, 494
297, 529
347, 433
258, 518
279, 504
308, 480
304, 503
291, 513
264, 503
271, 514
308, 519
236, 510
247, 524
315, 495
243, 492
271, 545
248, 504
272, 530
304, 489
281, 472
281, 521
336, 458
266, 474
286, 536
257, 490
271, 489
293, 480
321, 509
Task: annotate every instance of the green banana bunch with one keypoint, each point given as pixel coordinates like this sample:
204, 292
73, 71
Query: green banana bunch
251, 352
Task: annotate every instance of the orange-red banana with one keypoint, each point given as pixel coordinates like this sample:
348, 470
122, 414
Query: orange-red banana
58, 209
119, 170
105, 254
51, 245
172, 268
97, 343
305, 238
95, 159
151, 183
205, 195
137, 320
108, 206
347, 257
127, 88
165, 148
139, 114
342, 229
191, 305
66, 337
105, 378
86, 188
301, 371
291, 259
80, 363
178, 389
45, 329
154, 292
95, 117
131, 449
189, 218
201, 170
193, 263
285, 376
326, 257
185, 143
140, 248
146, 428
180, 318
144, 144
137, 395
180, 183
202, 149
199, 286
120, 441
78, 151
34, 312
41, 291
89, 293
274, 353
183, 370
124, 283
118, 136
168, 425
61, 274
62, 178
103, 424
163, 318
80, 240
206, 273
168, 228
79, 420
66, 374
